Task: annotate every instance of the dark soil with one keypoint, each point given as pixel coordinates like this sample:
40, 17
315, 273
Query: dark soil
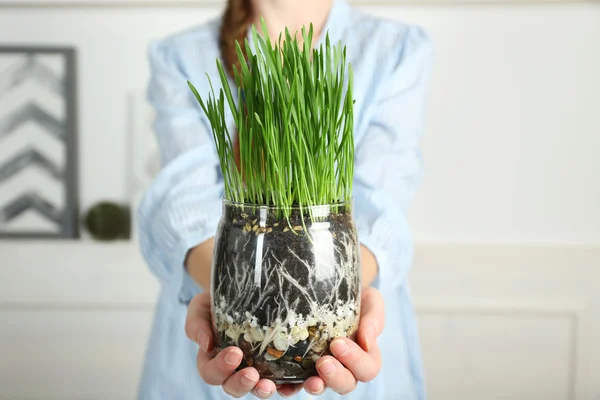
236, 252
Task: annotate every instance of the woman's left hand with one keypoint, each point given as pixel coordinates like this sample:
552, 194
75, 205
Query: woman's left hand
353, 362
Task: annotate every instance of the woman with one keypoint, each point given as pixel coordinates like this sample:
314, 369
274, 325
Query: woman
180, 211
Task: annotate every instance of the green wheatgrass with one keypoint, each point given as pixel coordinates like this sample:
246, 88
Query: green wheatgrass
295, 123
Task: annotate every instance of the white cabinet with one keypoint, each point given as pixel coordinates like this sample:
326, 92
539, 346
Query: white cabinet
495, 322
509, 322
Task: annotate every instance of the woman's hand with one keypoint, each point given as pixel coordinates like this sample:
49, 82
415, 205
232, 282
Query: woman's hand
353, 362
219, 369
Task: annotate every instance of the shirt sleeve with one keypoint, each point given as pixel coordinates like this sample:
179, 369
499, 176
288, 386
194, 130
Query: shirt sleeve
182, 206
388, 162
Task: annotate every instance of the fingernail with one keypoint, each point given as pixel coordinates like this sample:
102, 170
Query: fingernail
203, 341
247, 380
318, 391
232, 358
326, 367
262, 393
339, 348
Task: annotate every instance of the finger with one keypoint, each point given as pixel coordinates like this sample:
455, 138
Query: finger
288, 390
335, 376
314, 385
215, 371
198, 326
264, 389
372, 317
364, 366
241, 383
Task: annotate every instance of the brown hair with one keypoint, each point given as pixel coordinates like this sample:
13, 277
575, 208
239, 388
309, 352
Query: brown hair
236, 20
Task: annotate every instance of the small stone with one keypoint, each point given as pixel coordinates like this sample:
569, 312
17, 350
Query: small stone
278, 372
245, 346
303, 334
280, 341
298, 358
319, 346
299, 348
298, 228
274, 352
267, 375
292, 367
308, 363
261, 365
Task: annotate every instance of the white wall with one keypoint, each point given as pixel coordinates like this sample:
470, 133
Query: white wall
510, 159
513, 123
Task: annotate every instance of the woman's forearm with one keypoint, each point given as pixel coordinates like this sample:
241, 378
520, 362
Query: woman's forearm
368, 265
199, 262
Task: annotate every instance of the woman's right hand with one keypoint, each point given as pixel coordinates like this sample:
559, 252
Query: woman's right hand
218, 369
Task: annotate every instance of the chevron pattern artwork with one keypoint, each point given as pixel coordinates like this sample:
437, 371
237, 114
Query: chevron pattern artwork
38, 143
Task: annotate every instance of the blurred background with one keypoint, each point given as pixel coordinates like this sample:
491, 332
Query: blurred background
506, 278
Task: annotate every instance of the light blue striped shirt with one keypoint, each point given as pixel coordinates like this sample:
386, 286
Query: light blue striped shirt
181, 208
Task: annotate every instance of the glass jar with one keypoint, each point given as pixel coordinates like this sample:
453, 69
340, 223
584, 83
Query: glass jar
285, 282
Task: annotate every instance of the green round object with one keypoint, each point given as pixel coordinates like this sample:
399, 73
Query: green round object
108, 221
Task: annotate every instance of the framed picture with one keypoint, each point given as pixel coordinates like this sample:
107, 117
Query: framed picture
38, 143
